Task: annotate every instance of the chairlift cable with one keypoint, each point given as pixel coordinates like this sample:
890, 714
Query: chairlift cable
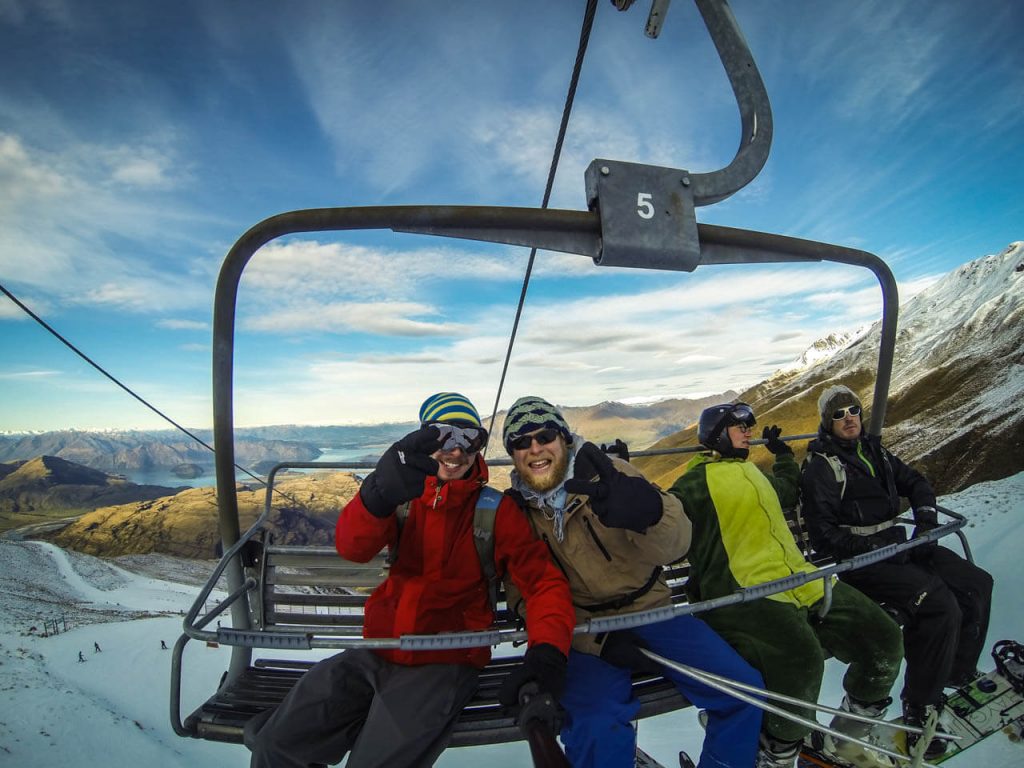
588, 23
110, 376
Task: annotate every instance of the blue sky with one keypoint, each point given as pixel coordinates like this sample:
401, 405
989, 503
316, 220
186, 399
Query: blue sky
138, 141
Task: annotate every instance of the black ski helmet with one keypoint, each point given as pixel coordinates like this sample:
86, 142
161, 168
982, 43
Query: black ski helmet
711, 429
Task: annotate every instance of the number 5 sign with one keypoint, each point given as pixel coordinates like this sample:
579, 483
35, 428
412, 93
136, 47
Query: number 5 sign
647, 215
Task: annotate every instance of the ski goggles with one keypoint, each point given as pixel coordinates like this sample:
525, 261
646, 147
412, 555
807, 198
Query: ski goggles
469, 439
840, 413
741, 415
543, 437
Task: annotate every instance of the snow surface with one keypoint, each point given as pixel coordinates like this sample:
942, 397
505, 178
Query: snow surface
112, 710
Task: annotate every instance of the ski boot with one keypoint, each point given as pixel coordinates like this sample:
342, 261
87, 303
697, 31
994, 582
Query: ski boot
917, 715
774, 753
847, 751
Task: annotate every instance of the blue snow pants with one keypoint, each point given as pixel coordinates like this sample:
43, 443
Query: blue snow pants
599, 705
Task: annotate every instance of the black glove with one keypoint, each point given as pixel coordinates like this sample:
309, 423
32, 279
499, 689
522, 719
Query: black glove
401, 472
618, 500
619, 448
771, 437
622, 648
926, 518
540, 680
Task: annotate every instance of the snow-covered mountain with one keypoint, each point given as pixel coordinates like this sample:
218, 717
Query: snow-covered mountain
823, 349
958, 374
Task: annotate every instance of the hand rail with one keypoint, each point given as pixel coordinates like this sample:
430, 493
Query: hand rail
475, 638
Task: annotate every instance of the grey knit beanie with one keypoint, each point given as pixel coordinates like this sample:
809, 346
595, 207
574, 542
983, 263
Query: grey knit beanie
836, 396
529, 414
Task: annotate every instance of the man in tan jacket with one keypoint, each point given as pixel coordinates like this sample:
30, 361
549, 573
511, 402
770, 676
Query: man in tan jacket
611, 531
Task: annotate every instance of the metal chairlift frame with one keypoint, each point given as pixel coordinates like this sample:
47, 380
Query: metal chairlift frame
639, 216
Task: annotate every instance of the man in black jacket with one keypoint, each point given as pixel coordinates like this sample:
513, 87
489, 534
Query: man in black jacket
851, 488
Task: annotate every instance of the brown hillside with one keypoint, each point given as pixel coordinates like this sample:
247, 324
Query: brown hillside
185, 524
47, 488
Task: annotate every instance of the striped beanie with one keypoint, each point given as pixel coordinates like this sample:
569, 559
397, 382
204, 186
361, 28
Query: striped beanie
449, 407
529, 414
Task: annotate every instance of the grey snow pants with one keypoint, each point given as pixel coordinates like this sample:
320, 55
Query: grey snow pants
383, 714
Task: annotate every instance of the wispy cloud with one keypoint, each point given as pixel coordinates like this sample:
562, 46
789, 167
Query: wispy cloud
57, 211
28, 375
183, 325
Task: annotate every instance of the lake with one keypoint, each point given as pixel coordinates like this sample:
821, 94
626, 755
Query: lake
167, 477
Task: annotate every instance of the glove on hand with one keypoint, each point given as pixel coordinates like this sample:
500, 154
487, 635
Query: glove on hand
926, 518
771, 437
401, 472
542, 672
619, 448
622, 648
618, 500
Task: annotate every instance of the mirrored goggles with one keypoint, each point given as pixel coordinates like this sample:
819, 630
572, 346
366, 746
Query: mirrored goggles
469, 439
543, 437
741, 415
840, 413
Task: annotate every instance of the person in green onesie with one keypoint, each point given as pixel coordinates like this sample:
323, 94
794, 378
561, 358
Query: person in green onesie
740, 538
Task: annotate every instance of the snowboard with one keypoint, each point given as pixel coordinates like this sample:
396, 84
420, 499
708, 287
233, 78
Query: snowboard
987, 705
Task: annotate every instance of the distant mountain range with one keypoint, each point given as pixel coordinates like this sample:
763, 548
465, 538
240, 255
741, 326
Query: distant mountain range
259, 448
119, 452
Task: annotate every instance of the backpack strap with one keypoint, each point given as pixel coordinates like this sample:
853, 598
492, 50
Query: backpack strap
483, 536
837, 469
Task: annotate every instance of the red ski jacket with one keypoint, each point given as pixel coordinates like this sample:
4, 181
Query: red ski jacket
437, 584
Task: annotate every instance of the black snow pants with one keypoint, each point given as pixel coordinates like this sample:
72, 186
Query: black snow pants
384, 714
944, 602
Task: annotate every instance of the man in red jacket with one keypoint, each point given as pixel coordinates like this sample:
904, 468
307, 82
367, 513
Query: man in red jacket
394, 707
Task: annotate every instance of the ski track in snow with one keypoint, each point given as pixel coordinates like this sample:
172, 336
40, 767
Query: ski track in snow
112, 709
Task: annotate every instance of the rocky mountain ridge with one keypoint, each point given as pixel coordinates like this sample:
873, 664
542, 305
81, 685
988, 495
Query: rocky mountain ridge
953, 406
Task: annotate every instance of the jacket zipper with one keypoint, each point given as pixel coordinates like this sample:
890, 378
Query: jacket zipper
593, 535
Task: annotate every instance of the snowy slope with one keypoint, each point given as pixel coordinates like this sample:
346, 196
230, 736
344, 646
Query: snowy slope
112, 710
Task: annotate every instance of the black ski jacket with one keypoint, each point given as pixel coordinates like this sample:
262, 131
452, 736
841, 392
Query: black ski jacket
869, 499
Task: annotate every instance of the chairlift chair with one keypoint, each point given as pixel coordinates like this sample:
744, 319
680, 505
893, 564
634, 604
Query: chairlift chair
639, 216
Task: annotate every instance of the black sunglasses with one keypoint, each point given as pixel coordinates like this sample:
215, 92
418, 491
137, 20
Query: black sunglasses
543, 437
840, 413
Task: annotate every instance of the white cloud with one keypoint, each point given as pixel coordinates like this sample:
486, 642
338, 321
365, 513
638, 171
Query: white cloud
183, 325
29, 375
387, 318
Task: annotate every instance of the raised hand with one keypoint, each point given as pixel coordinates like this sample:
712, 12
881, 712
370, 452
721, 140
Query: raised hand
401, 472
618, 500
